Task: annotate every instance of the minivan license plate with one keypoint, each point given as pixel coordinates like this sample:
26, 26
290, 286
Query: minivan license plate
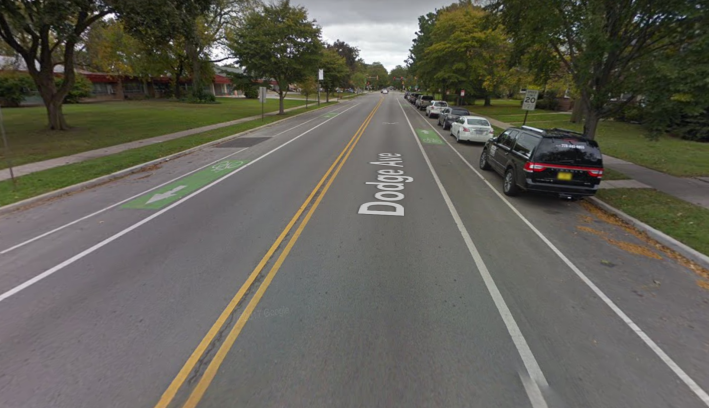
564, 176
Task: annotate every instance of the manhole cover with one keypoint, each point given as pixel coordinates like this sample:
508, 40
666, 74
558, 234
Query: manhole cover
244, 142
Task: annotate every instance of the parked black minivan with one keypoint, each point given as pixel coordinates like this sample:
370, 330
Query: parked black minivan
556, 161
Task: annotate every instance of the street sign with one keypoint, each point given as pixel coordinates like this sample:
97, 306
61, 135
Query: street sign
530, 100
321, 75
462, 92
262, 92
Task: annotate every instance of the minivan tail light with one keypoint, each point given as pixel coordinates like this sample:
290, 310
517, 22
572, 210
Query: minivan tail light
465, 129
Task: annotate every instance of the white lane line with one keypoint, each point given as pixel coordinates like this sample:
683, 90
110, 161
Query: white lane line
525, 353
686, 379
29, 241
112, 238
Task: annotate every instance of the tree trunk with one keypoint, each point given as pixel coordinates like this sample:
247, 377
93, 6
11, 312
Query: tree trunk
120, 95
578, 111
56, 116
327, 96
193, 56
281, 97
488, 102
591, 123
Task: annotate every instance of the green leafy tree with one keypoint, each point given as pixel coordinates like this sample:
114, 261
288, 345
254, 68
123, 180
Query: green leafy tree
245, 83
110, 49
348, 52
399, 76
675, 97
181, 33
308, 87
604, 45
46, 33
278, 42
336, 74
378, 75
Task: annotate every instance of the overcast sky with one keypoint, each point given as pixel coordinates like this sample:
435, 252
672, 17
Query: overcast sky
381, 29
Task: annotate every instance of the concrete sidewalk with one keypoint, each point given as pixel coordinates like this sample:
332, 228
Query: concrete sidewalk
107, 151
692, 190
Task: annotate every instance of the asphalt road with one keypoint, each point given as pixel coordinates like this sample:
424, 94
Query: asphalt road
349, 257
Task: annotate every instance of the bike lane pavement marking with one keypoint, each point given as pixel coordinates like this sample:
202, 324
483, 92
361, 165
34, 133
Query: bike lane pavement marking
172, 192
428, 137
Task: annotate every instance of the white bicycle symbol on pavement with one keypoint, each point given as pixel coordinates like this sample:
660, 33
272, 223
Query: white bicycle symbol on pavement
226, 165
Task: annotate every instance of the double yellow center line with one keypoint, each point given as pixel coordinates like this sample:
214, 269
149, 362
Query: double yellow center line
211, 371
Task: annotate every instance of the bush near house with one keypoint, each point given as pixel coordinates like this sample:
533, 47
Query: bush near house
14, 88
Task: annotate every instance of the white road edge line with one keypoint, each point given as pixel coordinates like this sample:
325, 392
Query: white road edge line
703, 396
29, 241
535, 372
114, 237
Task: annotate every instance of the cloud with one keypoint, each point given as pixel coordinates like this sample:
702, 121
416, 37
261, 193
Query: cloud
381, 29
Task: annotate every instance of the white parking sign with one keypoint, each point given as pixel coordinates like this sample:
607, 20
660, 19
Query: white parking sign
530, 100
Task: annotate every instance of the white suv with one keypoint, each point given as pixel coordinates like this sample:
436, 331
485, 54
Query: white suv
434, 109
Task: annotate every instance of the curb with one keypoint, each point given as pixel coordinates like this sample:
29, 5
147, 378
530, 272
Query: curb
32, 201
666, 240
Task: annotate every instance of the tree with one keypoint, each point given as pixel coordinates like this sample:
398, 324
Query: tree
675, 96
278, 42
180, 31
110, 49
45, 34
308, 87
336, 71
378, 75
604, 45
399, 76
348, 52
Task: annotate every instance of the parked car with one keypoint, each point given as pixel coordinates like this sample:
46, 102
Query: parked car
443, 114
451, 116
413, 96
434, 109
556, 161
423, 101
472, 128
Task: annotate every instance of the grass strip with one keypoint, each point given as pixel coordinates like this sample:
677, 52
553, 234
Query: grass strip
677, 218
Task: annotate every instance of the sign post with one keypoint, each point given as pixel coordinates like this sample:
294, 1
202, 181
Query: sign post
321, 77
462, 95
529, 103
7, 152
262, 92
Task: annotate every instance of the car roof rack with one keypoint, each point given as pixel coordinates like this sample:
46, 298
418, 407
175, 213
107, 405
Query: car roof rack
533, 129
573, 132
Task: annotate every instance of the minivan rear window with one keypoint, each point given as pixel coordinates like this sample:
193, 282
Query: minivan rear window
460, 112
427, 98
569, 151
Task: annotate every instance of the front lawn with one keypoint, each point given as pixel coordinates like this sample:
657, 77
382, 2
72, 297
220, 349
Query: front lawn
97, 125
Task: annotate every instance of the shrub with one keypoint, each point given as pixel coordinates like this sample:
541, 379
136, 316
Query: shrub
82, 88
14, 87
632, 113
695, 128
251, 92
548, 101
